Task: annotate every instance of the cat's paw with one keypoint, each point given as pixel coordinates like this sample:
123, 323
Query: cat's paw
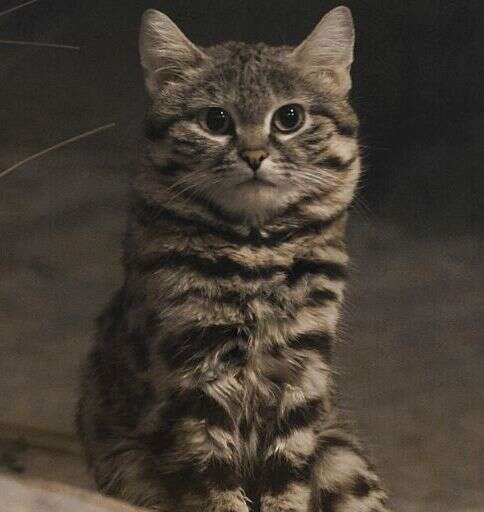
228, 501
294, 500
283, 507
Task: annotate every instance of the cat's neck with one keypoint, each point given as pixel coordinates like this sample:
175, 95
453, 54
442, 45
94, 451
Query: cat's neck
162, 219
176, 235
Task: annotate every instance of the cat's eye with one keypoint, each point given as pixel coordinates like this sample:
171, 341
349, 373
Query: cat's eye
216, 120
288, 118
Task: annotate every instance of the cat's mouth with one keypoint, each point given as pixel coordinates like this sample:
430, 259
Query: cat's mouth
257, 180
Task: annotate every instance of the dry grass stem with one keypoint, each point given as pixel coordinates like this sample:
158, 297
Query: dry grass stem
17, 7
54, 147
33, 43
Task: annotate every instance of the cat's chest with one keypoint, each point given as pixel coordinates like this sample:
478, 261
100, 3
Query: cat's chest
255, 394
256, 381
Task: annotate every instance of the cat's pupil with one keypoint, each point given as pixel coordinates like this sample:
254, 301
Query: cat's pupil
218, 120
289, 117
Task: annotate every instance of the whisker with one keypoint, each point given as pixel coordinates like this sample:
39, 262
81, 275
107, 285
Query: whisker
191, 186
54, 147
322, 180
178, 183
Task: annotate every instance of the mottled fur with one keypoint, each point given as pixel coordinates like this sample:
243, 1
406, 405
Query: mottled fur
209, 386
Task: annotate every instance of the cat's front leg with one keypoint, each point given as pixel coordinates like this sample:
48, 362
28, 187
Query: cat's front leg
199, 454
309, 470
306, 474
344, 480
291, 440
217, 493
287, 472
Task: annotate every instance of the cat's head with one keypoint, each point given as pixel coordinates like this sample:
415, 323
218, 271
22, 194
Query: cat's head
252, 128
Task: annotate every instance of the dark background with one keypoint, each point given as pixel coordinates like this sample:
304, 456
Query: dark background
411, 356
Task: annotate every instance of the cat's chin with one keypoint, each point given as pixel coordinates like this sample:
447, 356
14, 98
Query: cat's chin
254, 200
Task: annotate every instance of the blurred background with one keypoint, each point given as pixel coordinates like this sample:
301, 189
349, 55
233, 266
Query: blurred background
411, 358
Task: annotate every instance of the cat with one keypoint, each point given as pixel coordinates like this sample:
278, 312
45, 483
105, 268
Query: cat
209, 386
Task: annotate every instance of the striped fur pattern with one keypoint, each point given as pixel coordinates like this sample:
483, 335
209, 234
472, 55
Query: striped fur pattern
209, 386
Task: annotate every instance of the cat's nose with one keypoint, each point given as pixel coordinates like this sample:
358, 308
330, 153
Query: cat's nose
254, 157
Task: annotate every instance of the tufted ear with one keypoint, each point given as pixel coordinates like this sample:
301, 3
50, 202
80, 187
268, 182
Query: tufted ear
327, 53
165, 51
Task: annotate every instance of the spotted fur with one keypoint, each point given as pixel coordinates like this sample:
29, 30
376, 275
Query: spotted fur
209, 386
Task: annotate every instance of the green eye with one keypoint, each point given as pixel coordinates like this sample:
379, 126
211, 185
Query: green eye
288, 118
216, 120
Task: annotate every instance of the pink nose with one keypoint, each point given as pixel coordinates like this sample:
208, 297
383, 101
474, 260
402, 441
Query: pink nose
254, 157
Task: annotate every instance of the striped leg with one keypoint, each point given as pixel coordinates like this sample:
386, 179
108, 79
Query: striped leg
199, 454
290, 458
212, 487
288, 487
293, 440
344, 481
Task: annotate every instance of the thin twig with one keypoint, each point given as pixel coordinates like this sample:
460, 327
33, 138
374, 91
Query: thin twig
16, 8
56, 146
49, 45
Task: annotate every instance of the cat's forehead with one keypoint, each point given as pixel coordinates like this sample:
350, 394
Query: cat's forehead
251, 78
240, 55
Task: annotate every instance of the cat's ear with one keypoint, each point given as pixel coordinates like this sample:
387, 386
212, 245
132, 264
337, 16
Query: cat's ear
165, 51
327, 53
